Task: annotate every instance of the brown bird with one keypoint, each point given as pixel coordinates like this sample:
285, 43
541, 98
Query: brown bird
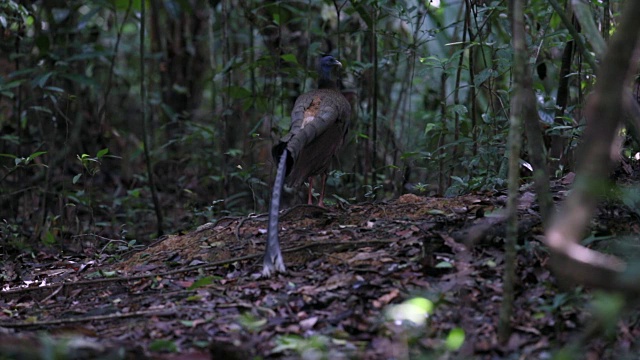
319, 124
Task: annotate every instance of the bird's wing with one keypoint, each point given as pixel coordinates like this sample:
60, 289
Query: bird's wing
312, 115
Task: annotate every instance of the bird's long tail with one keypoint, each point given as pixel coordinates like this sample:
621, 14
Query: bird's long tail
272, 255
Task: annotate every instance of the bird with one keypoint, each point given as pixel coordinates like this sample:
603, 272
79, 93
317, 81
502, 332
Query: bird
319, 125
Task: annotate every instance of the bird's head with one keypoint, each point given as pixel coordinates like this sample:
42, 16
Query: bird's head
327, 64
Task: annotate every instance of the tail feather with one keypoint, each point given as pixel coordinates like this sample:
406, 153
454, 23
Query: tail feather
272, 255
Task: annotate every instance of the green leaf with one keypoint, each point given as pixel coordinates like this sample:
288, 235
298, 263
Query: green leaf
429, 127
460, 109
444, 265
455, 339
289, 58
124, 4
208, 280
76, 178
181, 90
54, 89
11, 84
414, 311
41, 109
163, 345
81, 80
48, 238
41, 80
251, 322
238, 92
36, 154
424, 304
89, 55
483, 75
102, 153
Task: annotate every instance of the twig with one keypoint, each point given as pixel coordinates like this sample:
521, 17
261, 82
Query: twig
86, 318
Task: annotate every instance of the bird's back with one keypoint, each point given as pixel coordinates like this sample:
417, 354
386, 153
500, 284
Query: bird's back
319, 123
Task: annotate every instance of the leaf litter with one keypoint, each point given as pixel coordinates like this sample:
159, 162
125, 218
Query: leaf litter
199, 295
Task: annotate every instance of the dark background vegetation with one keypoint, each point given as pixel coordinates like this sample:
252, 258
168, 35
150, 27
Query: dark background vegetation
429, 83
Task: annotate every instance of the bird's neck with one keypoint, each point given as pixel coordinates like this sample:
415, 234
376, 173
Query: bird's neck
327, 84
327, 80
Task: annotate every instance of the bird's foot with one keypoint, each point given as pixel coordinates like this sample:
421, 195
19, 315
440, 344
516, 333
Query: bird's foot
272, 264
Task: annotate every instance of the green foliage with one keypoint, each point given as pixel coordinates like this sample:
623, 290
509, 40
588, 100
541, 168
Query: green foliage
313, 347
220, 90
414, 311
13, 14
90, 164
202, 282
411, 318
251, 323
163, 346
455, 339
21, 162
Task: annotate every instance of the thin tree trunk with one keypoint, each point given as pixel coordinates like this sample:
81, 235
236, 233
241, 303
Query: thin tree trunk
515, 137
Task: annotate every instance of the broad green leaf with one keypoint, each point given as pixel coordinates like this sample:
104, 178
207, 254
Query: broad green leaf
41, 80
102, 153
483, 75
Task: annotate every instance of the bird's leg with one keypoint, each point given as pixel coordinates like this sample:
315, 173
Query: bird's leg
310, 198
321, 198
272, 255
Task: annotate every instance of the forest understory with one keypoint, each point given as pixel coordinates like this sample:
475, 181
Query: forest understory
351, 273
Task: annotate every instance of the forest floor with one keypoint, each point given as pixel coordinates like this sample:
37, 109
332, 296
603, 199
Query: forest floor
200, 296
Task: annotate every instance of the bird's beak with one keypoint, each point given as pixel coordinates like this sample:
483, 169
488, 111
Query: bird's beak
338, 63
